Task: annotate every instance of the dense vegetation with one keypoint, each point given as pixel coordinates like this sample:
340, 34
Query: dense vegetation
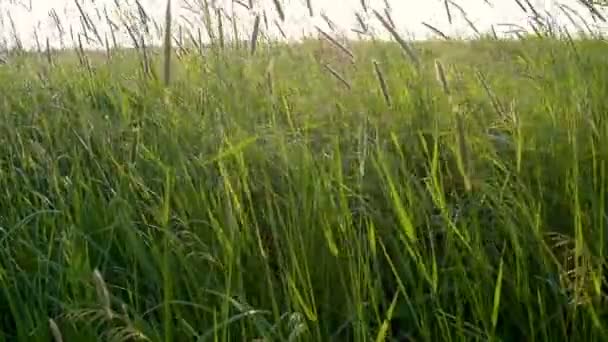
306, 192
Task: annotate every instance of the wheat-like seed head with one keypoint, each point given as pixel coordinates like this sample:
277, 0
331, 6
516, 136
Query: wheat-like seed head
102, 293
57, 336
440, 74
167, 45
382, 81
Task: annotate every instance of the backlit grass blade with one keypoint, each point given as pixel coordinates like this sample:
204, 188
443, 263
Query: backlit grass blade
497, 296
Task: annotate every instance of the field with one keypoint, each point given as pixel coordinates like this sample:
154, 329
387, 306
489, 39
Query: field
318, 191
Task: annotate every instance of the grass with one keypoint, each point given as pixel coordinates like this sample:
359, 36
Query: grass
348, 191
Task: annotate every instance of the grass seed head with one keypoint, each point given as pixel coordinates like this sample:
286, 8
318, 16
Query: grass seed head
57, 336
383, 85
167, 45
441, 78
102, 293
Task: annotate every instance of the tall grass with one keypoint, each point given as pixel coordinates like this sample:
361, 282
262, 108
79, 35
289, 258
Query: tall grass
305, 192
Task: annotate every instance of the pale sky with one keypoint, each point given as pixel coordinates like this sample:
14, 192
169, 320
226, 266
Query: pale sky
408, 15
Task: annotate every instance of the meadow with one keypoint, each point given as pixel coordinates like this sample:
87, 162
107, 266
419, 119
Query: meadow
327, 190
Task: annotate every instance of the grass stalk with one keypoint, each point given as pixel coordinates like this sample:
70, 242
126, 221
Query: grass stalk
404, 45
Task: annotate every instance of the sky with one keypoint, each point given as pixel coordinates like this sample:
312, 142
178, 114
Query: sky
30, 16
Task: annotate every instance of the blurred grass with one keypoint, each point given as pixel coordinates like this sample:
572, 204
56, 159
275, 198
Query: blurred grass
258, 197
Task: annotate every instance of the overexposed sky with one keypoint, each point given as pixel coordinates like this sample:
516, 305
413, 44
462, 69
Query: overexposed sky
31, 16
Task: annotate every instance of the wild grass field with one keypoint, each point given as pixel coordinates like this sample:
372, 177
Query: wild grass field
318, 191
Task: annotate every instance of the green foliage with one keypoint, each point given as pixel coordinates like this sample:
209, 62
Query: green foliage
260, 197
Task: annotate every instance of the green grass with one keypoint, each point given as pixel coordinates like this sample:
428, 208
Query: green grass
263, 197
